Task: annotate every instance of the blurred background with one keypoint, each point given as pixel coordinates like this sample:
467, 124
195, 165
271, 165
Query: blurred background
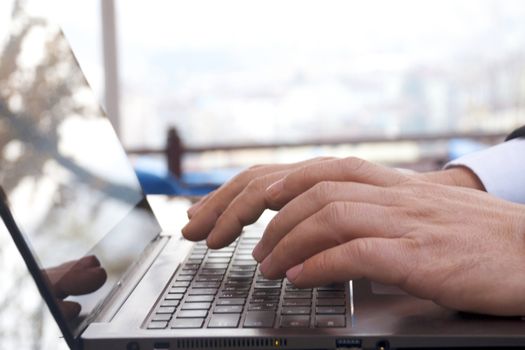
198, 90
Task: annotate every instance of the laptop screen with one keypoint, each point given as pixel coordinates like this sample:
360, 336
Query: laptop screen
66, 179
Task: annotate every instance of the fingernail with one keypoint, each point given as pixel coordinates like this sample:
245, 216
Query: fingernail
275, 189
292, 273
257, 251
265, 265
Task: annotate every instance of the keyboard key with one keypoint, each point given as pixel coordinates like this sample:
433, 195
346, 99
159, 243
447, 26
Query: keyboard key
190, 273
228, 309
247, 283
238, 268
220, 255
197, 256
332, 287
332, 295
331, 302
191, 266
297, 302
184, 278
218, 260
199, 298
230, 288
330, 310
192, 314
264, 299
239, 263
205, 284
187, 323
289, 289
213, 272
267, 286
241, 274
212, 266
195, 261
297, 295
203, 291
180, 284
196, 306
242, 278
325, 321
173, 303
301, 310
176, 296
161, 317
301, 321
262, 307
158, 325
233, 294
259, 319
224, 321
177, 290
264, 292
166, 310
232, 301
209, 279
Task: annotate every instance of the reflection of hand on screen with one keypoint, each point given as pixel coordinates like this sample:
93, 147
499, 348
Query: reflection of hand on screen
75, 277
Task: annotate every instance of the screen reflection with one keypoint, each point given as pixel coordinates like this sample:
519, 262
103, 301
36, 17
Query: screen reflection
67, 180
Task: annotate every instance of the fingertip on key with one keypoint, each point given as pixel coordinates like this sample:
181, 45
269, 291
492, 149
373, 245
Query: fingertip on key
257, 252
294, 272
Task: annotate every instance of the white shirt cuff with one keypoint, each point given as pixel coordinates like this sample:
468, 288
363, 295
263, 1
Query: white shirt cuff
501, 169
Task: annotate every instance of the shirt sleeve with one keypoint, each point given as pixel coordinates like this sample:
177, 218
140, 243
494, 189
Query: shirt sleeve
501, 169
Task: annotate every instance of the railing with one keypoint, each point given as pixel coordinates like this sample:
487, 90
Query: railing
175, 150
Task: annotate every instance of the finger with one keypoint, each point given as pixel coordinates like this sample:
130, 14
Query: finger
381, 260
195, 207
348, 169
79, 282
335, 224
312, 201
203, 221
245, 209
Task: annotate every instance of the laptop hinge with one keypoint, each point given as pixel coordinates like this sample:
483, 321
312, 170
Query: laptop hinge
118, 296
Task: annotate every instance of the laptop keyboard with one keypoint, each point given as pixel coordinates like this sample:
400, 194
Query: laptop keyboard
224, 289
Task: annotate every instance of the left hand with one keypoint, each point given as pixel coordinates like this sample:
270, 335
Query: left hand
459, 247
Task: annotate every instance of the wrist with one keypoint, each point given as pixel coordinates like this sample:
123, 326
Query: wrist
456, 176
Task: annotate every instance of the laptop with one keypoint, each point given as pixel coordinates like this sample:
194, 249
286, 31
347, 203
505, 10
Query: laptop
113, 279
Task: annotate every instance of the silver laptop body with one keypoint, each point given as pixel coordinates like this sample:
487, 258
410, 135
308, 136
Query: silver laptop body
74, 208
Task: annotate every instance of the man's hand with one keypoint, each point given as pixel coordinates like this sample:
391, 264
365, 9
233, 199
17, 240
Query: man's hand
461, 248
220, 216
342, 219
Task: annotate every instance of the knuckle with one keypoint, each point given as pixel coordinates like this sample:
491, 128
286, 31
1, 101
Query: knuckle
360, 249
320, 191
332, 213
255, 185
323, 263
354, 163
